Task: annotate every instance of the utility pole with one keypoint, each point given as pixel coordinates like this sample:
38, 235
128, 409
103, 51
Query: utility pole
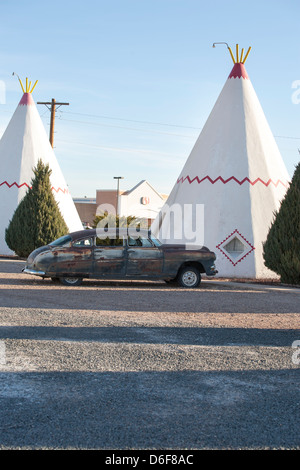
118, 178
53, 106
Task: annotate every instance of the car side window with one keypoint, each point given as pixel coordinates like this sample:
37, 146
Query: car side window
140, 241
134, 242
109, 241
85, 242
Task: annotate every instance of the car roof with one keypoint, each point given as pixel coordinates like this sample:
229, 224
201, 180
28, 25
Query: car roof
123, 231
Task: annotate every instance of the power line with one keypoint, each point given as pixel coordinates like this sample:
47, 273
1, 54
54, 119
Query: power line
144, 122
286, 137
122, 149
132, 120
128, 128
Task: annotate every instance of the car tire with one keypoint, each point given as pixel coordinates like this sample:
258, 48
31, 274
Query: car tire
189, 277
71, 281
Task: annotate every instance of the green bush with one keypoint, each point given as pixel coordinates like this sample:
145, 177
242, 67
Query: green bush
37, 220
281, 251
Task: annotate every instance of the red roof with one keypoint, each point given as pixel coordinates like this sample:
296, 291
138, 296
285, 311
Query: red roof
26, 99
238, 71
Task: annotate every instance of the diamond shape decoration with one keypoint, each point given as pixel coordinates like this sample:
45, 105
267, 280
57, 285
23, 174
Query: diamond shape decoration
235, 247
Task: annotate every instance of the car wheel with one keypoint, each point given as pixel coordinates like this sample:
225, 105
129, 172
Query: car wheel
189, 277
71, 281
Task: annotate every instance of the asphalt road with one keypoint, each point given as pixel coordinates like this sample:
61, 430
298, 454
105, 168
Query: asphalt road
136, 365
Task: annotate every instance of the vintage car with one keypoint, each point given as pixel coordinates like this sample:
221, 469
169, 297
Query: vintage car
119, 254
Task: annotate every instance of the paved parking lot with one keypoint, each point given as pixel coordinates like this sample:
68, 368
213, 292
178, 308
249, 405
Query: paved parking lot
141, 365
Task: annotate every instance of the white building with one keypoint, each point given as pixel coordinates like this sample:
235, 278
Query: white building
142, 201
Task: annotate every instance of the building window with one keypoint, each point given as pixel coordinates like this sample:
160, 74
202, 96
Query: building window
235, 247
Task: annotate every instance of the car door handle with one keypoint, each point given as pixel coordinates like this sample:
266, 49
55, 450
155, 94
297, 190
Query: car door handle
131, 251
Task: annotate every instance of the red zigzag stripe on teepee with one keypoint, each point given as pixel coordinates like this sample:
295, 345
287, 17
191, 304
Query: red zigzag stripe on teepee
65, 191
232, 178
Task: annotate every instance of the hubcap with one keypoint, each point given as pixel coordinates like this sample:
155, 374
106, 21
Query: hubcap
71, 280
189, 278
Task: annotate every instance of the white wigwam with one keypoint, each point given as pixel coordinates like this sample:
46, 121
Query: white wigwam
236, 171
23, 143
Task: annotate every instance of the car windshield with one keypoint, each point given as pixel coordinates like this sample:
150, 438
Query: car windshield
61, 241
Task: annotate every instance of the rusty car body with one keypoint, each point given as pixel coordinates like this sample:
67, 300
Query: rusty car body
119, 254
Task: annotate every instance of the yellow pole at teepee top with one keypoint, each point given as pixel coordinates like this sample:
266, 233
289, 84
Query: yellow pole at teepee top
21, 85
242, 53
27, 86
33, 86
231, 55
237, 59
246, 55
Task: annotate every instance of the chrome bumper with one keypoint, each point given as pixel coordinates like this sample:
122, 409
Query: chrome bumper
33, 271
212, 271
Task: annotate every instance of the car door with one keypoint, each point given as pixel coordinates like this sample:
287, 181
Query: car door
144, 259
76, 259
109, 257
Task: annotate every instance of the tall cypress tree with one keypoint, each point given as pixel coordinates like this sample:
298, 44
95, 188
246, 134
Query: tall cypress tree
282, 247
37, 220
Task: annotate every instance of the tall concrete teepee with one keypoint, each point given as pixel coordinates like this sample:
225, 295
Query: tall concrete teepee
236, 171
23, 143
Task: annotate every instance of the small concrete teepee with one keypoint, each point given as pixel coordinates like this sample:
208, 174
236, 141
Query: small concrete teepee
235, 171
23, 143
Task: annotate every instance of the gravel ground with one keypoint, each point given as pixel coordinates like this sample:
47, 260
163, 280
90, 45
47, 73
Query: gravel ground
146, 365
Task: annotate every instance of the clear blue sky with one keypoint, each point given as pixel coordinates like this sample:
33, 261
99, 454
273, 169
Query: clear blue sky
141, 78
